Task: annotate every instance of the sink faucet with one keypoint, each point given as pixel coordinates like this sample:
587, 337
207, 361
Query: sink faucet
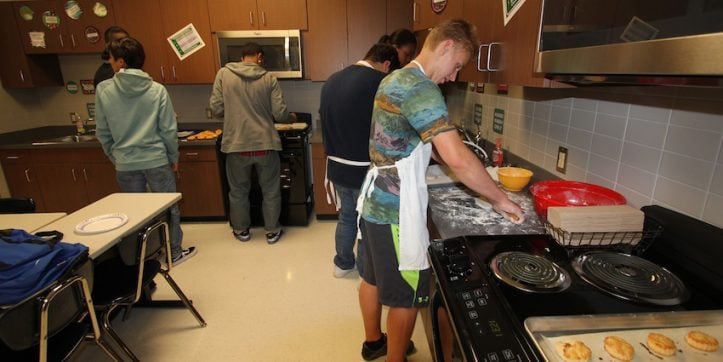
474, 144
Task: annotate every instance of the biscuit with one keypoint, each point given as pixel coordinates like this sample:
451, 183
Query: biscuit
701, 341
573, 351
661, 344
619, 348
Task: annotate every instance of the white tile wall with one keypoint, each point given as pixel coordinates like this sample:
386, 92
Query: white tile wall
654, 145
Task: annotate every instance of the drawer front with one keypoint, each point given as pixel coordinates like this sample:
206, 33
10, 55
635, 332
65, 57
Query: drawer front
13, 157
191, 154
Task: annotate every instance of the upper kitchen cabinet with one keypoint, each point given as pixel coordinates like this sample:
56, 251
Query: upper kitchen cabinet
63, 26
18, 70
257, 14
342, 31
152, 22
428, 13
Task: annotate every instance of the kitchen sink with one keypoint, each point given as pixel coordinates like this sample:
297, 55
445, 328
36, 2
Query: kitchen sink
67, 139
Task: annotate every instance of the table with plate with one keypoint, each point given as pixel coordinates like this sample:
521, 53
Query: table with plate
28, 222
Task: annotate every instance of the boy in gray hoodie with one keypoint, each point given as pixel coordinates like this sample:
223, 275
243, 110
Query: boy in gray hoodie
249, 100
137, 129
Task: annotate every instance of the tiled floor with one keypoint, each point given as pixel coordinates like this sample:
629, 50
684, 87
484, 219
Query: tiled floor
261, 302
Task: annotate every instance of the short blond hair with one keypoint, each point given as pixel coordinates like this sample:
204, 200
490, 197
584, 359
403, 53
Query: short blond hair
458, 30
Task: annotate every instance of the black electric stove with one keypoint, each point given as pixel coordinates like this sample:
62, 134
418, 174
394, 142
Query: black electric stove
489, 285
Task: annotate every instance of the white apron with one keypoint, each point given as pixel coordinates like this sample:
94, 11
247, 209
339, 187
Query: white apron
413, 233
332, 197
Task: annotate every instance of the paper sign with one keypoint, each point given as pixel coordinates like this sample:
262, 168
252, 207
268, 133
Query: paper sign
87, 86
71, 87
37, 39
91, 109
510, 8
498, 120
186, 41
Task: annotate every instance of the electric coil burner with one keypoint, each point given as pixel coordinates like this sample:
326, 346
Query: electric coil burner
530, 273
630, 277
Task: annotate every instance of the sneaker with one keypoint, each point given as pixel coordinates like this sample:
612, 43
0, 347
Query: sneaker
184, 255
272, 238
371, 354
243, 235
340, 273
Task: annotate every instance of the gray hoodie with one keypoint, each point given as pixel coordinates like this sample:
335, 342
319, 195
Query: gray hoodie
249, 100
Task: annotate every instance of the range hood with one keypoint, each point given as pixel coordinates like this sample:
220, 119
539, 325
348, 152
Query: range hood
592, 42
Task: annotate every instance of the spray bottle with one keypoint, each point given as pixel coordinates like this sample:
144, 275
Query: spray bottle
497, 154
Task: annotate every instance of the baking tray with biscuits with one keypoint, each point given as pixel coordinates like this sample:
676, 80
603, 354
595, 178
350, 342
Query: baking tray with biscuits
666, 336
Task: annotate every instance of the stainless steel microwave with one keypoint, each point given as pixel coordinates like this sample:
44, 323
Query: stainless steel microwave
282, 49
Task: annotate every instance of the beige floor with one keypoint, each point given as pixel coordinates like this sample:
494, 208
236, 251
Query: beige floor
262, 303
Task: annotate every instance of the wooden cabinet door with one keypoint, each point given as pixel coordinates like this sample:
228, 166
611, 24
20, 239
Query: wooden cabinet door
399, 15
100, 180
22, 182
52, 35
366, 23
281, 14
141, 19
321, 206
325, 44
425, 18
232, 15
14, 71
482, 16
63, 186
86, 33
200, 184
198, 67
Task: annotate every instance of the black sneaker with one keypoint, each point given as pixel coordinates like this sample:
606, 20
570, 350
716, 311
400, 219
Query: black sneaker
184, 255
371, 354
272, 238
243, 235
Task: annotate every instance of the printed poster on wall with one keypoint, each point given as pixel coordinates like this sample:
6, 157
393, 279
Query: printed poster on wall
510, 7
186, 41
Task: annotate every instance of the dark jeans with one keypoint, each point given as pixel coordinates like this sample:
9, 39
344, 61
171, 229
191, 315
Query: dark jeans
346, 229
238, 171
159, 179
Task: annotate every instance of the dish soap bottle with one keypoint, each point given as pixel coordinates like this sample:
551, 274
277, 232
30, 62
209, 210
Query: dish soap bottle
497, 154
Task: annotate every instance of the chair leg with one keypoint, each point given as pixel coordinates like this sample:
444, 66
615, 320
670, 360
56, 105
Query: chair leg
114, 336
183, 297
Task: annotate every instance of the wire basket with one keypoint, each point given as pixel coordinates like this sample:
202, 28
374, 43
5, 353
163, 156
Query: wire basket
634, 242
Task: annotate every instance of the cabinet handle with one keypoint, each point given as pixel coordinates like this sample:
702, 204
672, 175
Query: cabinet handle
479, 57
191, 153
489, 57
12, 157
85, 175
22, 76
62, 45
72, 40
251, 17
173, 68
263, 18
163, 74
27, 174
414, 12
72, 170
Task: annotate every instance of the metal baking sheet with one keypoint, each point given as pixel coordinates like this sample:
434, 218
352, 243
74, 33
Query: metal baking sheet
634, 328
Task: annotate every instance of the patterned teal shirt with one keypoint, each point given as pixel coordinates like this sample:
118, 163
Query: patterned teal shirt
408, 109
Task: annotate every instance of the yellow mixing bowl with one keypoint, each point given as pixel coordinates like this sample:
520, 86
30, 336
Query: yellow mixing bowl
514, 178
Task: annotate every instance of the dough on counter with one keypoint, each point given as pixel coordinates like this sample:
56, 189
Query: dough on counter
619, 348
701, 341
661, 344
573, 351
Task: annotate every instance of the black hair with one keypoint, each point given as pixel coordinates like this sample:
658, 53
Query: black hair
129, 50
113, 30
379, 53
399, 37
251, 49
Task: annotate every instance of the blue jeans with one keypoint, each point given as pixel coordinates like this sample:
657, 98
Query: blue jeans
159, 179
346, 229
238, 172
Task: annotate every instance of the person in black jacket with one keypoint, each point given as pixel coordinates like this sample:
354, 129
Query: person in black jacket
105, 71
347, 100
404, 41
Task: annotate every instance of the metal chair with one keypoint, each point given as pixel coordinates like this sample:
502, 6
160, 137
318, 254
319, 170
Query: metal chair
118, 284
52, 323
14, 205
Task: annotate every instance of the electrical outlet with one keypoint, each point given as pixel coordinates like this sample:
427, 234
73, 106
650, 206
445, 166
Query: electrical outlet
561, 159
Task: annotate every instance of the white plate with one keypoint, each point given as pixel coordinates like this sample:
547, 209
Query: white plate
101, 224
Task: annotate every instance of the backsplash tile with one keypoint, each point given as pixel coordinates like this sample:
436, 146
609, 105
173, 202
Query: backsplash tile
582, 119
646, 132
608, 125
606, 146
690, 171
642, 157
692, 142
684, 198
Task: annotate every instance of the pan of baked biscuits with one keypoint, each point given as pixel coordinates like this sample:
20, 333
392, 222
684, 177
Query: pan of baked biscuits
667, 336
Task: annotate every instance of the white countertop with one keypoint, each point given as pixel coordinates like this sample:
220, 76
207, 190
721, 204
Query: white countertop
28, 222
139, 207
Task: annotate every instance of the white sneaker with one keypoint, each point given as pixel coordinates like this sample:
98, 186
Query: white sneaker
340, 273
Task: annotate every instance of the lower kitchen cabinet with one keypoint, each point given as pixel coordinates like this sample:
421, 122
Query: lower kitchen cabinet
199, 181
20, 176
322, 208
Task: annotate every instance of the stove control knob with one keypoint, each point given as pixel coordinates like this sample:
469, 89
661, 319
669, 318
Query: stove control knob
452, 247
460, 266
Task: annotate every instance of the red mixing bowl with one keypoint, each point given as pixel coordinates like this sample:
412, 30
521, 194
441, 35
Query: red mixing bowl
571, 193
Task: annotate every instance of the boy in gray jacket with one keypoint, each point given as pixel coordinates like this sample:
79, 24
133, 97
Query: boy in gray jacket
249, 100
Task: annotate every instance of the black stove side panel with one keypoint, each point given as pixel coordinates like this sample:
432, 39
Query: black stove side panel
690, 248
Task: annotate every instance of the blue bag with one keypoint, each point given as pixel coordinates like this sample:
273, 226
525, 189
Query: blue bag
29, 263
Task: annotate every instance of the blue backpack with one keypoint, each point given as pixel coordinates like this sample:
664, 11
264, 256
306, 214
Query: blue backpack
29, 263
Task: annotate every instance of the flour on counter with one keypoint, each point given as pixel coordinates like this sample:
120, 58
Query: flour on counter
457, 211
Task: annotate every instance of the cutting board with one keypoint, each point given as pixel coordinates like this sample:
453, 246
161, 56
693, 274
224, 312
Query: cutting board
596, 218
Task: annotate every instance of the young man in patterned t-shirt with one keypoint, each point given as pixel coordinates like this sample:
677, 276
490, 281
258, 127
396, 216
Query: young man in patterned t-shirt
409, 117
